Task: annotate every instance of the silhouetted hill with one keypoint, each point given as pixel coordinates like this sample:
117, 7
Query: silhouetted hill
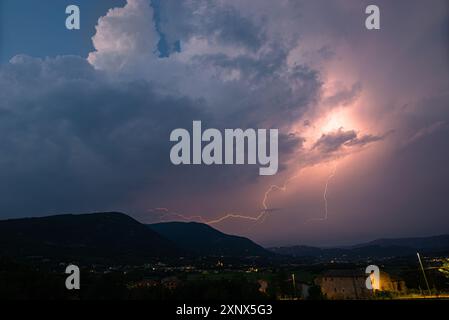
433, 243
93, 237
381, 248
207, 241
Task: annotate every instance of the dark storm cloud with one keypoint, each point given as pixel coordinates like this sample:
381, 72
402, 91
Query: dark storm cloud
217, 22
228, 26
266, 93
75, 139
71, 139
251, 68
363, 140
335, 141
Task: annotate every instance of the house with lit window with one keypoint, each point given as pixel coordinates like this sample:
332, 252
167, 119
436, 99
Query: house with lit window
351, 284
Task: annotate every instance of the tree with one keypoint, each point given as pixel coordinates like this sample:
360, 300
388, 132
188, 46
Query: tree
444, 269
315, 293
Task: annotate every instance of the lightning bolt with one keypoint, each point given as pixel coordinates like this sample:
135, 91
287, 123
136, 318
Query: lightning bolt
237, 216
167, 213
326, 211
275, 187
263, 214
260, 218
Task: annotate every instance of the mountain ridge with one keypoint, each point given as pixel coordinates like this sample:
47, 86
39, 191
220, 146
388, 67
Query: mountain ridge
204, 240
110, 236
376, 248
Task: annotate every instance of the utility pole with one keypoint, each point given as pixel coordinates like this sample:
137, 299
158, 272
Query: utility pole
294, 285
424, 273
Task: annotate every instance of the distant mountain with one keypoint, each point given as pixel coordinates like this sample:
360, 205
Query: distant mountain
207, 241
381, 248
92, 237
433, 243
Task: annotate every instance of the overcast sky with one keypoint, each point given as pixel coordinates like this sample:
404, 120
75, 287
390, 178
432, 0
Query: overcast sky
85, 116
